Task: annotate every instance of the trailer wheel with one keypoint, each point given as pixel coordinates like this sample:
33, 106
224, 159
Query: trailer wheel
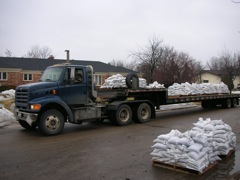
25, 125
204, 104
234, 102
227, 103
143, 113
51, 122
123, 115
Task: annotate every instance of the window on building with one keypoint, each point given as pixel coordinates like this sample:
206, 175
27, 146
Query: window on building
3, 76
98, 80
205, 81
27, 77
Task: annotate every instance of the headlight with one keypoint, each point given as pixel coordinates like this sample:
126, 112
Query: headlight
35, 107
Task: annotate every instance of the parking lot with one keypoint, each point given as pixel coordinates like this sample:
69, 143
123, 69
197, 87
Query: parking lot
103, 151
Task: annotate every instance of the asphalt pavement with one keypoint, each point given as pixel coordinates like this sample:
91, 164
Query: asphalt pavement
103, 151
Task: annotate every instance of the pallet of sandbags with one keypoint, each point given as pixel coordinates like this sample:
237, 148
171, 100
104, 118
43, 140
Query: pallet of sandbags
179, 168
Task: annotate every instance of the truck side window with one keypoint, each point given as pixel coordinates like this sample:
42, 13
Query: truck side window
78, 76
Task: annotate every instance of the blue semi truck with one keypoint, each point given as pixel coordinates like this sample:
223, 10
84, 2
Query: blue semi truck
66, 93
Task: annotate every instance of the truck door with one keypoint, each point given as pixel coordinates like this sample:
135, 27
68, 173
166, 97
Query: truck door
74, 87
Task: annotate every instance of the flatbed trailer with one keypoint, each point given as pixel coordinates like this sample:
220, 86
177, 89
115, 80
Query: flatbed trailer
160, 97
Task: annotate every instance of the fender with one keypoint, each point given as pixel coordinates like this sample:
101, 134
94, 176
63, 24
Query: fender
44, 101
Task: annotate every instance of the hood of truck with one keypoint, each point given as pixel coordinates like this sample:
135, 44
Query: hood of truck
38, 89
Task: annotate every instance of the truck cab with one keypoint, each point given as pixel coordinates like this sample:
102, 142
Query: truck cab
62, 88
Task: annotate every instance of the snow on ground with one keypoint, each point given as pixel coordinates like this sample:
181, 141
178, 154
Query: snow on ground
6, 116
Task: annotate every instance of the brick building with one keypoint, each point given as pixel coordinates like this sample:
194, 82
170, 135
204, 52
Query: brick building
16, 71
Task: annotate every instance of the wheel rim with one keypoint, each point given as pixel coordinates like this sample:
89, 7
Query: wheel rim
52, 123
124, 115
144, 113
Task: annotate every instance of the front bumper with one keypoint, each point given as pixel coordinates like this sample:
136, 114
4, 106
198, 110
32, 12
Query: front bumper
24, 116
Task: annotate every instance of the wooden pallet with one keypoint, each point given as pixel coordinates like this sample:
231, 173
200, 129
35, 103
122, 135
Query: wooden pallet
179, 168
230, 153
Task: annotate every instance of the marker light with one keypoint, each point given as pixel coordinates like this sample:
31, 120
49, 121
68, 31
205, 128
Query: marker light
54, 92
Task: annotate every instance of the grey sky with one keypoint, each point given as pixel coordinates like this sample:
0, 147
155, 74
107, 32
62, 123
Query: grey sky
104, 30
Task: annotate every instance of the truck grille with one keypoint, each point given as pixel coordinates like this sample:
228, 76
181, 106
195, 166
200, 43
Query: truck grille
21, 99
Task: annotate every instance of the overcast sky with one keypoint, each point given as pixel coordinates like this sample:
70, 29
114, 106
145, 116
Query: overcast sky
104, 30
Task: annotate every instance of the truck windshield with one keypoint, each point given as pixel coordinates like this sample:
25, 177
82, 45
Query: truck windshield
51, 74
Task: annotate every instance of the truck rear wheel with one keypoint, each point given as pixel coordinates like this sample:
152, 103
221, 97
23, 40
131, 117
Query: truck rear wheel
143, 113
123, 115
51, 122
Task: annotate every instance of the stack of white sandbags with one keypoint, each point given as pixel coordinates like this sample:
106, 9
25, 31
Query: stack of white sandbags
224, 140
114, 81
197, 148
119, 81
193, 89
155, 84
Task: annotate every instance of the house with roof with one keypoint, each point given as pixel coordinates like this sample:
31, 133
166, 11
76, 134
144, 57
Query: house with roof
16, 71
215, 77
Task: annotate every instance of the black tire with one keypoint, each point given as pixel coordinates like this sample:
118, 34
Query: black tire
123, 115
204, 104
51, 122
227, 103
234, 102
143, 113
25, 125
129, 79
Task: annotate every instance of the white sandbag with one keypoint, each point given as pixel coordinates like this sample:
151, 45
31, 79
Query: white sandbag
185, 141
197, 165
173, 140
196, 147
160, 146
219, 131
196, 156
202, 139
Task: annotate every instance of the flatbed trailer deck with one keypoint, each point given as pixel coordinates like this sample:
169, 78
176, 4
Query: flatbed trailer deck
160, 97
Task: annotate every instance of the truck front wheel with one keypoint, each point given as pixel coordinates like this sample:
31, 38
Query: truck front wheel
51, 122
143, 113
123, 115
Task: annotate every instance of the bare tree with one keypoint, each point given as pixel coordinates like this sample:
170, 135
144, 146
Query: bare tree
39, 52
149, 57
164, 64
8, 53
177, 67
116, 63
229, 64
